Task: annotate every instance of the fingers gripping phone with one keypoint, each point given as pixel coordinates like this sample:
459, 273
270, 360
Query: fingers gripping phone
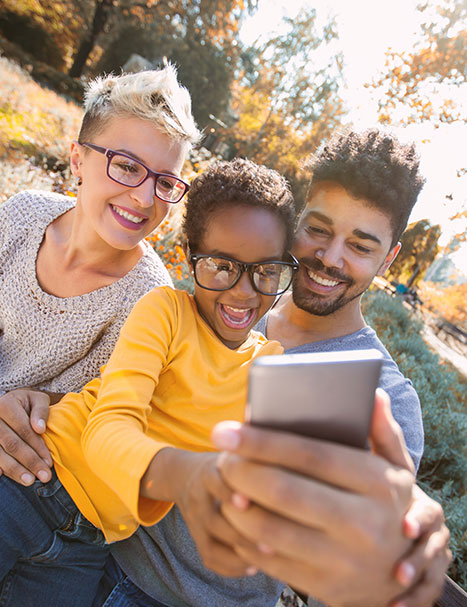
327, 395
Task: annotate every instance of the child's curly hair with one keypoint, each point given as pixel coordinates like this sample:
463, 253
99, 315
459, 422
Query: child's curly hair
374, 166
238, 182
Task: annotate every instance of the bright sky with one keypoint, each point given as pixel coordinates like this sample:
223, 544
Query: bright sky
366, 30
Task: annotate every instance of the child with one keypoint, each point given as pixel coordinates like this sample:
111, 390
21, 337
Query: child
136, 440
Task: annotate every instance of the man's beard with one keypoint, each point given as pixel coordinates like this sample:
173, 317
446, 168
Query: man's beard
316, 304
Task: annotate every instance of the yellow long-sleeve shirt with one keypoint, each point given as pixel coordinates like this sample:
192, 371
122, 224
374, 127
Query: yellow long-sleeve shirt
168, 382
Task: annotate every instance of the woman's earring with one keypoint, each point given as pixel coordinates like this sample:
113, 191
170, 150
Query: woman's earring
79, 181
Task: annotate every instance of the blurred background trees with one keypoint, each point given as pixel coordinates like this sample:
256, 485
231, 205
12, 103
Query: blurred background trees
419, 250
286, 102
273, 101
417, 85
420, 86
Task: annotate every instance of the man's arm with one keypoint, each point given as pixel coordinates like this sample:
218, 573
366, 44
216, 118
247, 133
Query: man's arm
23, 417
325, 518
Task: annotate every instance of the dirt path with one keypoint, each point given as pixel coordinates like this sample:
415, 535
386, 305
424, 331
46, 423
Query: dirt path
453, 356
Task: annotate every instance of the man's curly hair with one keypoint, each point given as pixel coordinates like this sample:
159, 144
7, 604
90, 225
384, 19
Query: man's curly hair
238, 182
375, 166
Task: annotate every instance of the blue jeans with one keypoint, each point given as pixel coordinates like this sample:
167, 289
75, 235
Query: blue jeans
117, 590
50, 555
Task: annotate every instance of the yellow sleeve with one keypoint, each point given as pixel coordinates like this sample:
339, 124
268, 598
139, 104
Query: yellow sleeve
114, 441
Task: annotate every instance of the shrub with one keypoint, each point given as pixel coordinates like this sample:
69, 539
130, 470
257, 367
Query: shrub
442, 391
35, 120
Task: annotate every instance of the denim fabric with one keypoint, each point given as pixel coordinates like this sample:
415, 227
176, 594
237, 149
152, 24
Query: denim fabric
117, 590
50, 555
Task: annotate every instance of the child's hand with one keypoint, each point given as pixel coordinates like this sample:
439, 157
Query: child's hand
193, 482
199, 503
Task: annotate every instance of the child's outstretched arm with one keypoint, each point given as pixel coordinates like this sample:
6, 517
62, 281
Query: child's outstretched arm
150, 472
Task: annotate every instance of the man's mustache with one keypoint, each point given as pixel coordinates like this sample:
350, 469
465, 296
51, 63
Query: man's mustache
318, 266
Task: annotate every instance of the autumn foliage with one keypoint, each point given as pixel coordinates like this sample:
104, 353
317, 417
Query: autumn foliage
448, 302
420, 84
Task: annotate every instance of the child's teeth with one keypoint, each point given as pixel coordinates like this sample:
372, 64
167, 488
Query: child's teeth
237, 315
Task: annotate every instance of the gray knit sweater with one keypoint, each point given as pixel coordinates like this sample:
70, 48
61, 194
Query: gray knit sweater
57, 344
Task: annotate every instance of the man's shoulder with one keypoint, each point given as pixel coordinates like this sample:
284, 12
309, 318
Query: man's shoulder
362, 339
405, 404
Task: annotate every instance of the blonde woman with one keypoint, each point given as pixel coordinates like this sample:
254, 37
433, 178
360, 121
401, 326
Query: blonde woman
72, 269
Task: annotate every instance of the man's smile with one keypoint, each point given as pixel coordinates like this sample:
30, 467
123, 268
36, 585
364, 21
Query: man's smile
322, 281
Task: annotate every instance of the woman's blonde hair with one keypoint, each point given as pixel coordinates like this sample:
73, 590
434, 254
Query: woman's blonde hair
153, 95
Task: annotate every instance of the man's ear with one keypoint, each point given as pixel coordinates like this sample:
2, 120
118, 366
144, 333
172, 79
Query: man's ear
390, 257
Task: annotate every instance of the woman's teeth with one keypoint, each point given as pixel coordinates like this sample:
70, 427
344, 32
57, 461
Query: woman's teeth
322, 281
127, 215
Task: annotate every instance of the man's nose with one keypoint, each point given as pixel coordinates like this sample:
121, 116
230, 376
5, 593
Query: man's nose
331, 255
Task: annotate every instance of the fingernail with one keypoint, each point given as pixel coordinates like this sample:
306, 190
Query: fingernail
265, 548
48, 461
412, 528
43, 476
251, 570
226, 435
41, 424
27, 478
406, 574
240, 501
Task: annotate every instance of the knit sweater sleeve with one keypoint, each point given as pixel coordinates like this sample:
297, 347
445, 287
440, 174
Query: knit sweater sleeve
19, 214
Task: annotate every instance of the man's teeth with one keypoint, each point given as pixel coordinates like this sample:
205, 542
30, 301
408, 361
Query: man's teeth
127, 215
322, 281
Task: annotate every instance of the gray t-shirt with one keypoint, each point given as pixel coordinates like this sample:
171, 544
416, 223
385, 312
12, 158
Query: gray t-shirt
163, 560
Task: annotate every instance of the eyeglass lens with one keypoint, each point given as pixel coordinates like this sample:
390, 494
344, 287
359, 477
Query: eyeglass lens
221, 274
130, 172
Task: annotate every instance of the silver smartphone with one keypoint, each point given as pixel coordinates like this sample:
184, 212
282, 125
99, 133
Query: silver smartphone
327, 395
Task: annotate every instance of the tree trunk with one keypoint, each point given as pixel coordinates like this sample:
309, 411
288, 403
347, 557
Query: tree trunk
99, 20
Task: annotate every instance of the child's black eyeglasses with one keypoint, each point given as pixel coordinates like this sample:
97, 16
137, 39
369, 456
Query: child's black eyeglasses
219, 273
130, 172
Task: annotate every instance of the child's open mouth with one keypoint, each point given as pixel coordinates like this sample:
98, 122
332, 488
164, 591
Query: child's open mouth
236, 318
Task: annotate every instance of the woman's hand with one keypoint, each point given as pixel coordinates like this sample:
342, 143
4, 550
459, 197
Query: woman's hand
23, 453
